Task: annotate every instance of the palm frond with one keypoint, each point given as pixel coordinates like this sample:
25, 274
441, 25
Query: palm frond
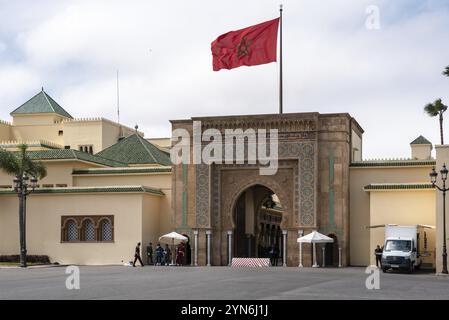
19, 163
37, 169
431, 109
446, 71
435, 108
9, 162
440, 105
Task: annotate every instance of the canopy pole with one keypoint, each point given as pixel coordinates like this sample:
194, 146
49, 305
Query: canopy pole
173, 251
315, 264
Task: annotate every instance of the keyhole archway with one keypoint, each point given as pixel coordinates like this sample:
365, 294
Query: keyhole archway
257, 216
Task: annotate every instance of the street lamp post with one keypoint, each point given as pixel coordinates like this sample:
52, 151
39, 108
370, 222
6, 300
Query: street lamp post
21, 186
433, 179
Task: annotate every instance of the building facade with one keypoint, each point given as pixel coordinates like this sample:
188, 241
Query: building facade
108, 188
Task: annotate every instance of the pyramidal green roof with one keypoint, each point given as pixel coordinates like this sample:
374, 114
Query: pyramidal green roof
41, 103
136, 150
420, 140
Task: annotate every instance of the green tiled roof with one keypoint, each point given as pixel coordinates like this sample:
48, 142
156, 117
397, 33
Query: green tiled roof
41, 103
126, 170
136, 150
420, 140
397, 186
67, 154
107, 189
393, 163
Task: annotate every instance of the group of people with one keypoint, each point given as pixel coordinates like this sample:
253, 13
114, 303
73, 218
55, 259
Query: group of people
163, 255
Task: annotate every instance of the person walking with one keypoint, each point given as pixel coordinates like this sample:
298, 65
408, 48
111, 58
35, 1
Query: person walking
137, 256
150, 253
159, 254
378, 254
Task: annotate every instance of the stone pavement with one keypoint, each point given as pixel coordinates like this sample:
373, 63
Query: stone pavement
119, 282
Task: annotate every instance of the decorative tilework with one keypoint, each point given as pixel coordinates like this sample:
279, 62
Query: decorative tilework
202, 195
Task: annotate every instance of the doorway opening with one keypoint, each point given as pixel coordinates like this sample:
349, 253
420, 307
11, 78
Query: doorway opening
258, 216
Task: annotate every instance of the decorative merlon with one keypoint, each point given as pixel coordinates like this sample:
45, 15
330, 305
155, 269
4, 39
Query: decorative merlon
33, 143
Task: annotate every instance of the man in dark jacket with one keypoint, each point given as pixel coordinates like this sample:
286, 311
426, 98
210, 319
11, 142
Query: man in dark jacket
378, 253
159, 254
137, 256
150, 253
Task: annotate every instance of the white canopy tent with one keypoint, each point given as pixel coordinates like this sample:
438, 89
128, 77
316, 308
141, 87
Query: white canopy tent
314, 237
172, 238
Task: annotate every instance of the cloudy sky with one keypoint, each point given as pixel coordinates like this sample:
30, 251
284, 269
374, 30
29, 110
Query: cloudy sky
332, 62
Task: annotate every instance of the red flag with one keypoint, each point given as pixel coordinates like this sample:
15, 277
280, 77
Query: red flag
246, 47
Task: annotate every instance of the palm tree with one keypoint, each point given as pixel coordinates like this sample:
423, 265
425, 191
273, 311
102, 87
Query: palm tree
446, 71
437, 109
20, 165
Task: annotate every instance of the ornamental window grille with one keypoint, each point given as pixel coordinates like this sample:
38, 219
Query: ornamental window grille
72, 231
89, 230
93, 228
106, 230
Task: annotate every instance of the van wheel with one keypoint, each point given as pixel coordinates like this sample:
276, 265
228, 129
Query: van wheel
384, 270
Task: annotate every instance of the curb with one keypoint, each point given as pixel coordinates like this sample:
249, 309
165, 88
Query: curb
33, 267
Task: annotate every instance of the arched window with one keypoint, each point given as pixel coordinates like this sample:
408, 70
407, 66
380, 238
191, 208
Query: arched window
105, 230
88, 230
91, 228
72, 231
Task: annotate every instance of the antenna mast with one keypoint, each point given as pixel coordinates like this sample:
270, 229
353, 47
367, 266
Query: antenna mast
118, 100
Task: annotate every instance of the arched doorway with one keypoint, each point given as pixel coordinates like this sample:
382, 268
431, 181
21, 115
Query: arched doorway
257, 217
331, 255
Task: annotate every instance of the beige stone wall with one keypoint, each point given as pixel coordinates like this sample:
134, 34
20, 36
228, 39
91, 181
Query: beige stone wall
98, 132
402, 207
151, 212
78, 133
161, 142
359, 237
44, 213
5, 131
157, 181
36, 119
58, 172
49, 132
421, 151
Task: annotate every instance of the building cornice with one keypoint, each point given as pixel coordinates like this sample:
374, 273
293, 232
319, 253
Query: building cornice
397, 186
100, 189
393, 163
115, 171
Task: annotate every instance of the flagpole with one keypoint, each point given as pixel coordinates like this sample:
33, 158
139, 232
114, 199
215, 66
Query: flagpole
280, 64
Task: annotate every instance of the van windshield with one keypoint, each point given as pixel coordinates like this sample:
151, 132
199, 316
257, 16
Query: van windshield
398, 245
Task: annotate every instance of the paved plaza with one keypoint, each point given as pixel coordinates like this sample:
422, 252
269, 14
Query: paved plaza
117, 282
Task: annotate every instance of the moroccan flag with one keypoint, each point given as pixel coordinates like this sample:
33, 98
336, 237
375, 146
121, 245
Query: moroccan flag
246, 47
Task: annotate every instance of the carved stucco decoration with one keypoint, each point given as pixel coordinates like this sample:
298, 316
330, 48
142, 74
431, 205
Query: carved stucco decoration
298, 200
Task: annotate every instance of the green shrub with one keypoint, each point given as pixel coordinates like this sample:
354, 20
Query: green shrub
30, 258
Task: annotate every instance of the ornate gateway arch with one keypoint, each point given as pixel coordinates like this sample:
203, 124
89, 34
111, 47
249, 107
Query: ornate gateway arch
311, 185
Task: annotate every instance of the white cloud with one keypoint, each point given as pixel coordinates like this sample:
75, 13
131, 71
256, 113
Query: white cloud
332, 63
